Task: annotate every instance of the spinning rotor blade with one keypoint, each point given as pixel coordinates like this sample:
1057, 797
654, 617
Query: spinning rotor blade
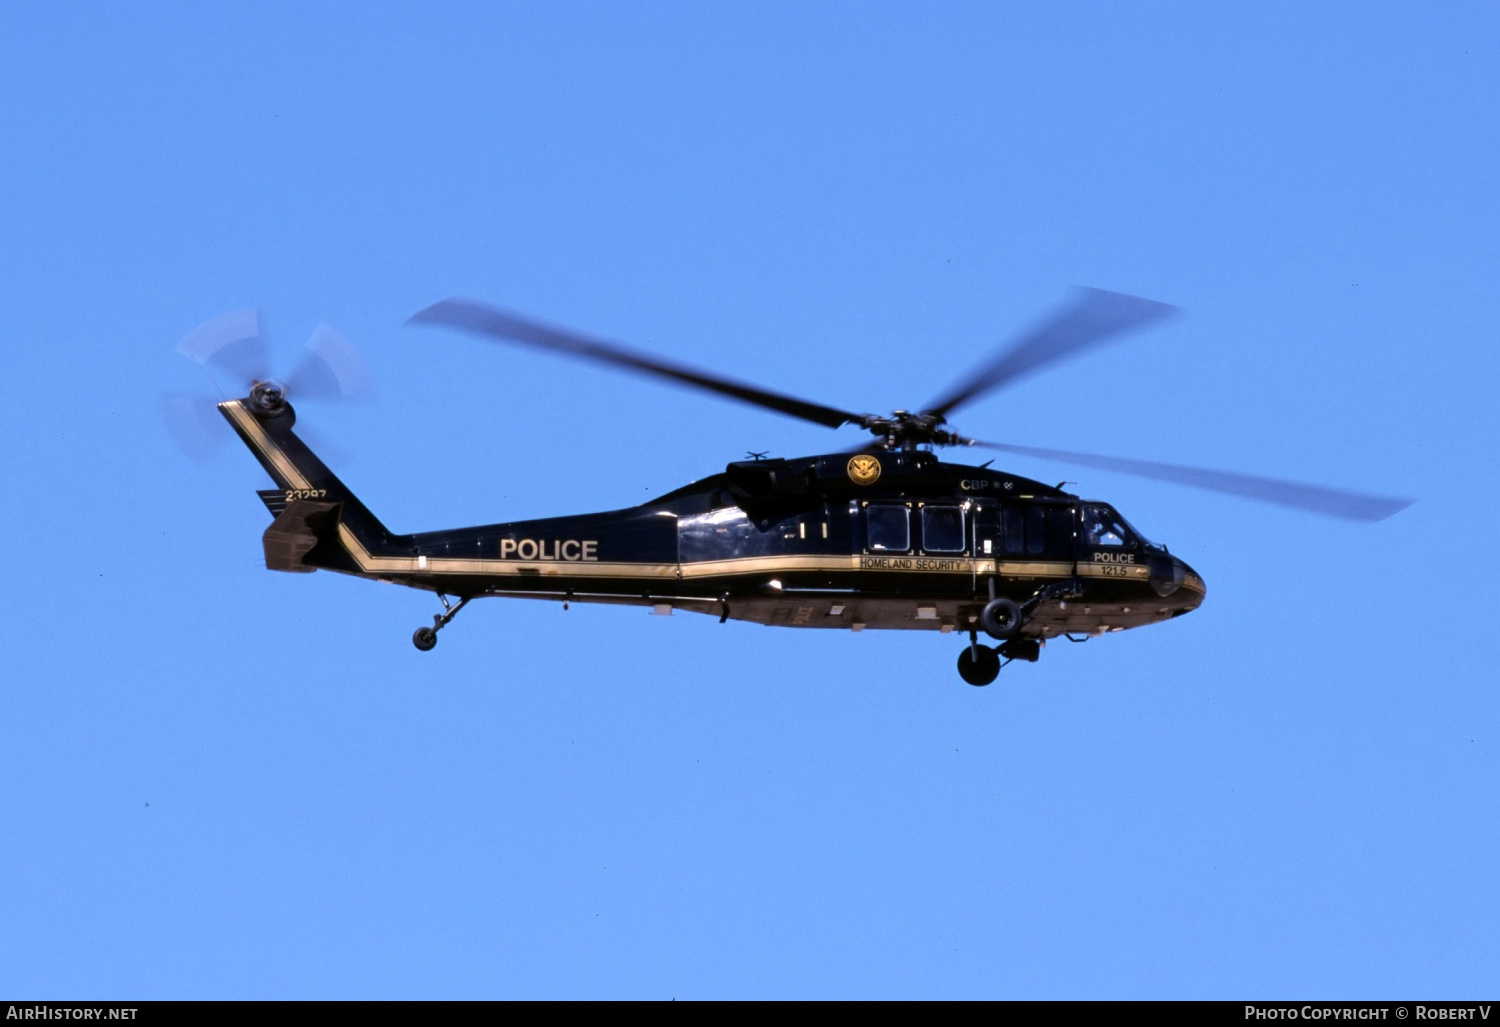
332, 369
199, 430
230, 341
499, 324
194, 423
1095, 317
1329, 502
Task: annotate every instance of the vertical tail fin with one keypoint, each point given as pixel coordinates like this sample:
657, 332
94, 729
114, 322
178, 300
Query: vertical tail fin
319, 522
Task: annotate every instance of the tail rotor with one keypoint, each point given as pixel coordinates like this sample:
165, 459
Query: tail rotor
232, 350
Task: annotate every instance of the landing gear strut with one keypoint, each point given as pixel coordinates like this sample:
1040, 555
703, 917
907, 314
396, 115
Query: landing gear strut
978, 664
425, 638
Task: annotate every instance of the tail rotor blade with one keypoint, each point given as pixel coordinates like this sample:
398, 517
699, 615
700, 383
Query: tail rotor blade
232, 342
1317, 499
194, 423
332, 369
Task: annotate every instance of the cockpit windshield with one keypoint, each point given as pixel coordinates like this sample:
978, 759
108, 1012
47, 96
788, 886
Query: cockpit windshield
1104, 527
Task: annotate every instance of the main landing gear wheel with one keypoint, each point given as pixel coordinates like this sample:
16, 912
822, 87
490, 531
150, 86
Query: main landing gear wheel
978, 664
1001, 618
424, 638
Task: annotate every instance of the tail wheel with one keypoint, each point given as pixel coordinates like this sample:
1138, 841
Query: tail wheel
424, 639
978, 664
1002, 618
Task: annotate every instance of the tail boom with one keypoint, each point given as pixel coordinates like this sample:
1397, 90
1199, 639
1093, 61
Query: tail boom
319, 522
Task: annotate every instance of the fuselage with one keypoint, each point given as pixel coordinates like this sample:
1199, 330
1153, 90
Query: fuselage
879, 541
884, 540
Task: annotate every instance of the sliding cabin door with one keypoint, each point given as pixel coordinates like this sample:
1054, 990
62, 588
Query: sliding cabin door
1026, 540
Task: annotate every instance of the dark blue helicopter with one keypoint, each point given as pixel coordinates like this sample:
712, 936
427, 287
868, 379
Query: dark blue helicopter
884, 537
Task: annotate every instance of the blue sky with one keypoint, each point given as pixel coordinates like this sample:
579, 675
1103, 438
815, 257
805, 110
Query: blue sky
1290, 792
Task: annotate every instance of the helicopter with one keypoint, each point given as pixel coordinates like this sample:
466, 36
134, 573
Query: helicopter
883, 537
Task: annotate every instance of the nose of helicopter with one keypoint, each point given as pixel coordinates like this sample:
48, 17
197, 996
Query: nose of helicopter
1171, 576
1193, 589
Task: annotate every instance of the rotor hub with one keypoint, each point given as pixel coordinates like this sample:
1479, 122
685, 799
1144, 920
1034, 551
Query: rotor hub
906, 430
267, 398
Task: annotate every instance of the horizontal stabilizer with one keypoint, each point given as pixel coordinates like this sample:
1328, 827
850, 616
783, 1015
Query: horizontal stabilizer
296, 531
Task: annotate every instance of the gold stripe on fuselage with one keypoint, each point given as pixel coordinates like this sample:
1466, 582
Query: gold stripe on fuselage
1034, 569
949, 565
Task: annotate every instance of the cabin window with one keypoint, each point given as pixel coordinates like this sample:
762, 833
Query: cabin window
1011, 530
1060, 532
1103, 527
887, 528
942, 529
1036, 530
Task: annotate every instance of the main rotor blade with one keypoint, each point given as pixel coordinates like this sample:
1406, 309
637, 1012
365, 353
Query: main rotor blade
498, 324
1329, 502
1094, 317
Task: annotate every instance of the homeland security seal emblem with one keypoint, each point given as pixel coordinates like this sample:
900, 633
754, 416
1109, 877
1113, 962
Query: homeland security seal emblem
864, 469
